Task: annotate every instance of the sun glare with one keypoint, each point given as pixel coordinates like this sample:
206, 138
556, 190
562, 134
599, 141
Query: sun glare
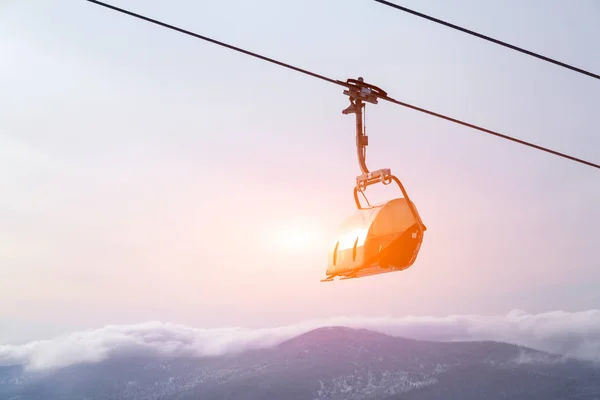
296, 239
295, 236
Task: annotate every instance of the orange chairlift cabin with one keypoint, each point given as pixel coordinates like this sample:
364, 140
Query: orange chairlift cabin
376, 239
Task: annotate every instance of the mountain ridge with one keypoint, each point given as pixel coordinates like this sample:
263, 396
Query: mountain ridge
328, 363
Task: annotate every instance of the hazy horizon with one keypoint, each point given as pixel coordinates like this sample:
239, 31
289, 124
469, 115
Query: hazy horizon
573, 335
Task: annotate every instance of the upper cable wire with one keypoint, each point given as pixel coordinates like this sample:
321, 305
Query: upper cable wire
344, 84
217, 42
489, 39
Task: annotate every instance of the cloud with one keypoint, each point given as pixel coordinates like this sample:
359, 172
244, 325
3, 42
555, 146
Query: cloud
571, 334
526, 357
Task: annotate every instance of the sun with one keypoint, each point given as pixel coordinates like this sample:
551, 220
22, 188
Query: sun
295, 239
293, 236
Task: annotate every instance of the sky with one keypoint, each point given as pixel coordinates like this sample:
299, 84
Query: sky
150, 176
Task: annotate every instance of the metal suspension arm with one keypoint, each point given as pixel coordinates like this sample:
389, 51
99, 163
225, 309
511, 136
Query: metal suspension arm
360, 92
357, 107
362, 140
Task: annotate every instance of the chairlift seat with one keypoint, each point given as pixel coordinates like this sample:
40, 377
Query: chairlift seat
377, 240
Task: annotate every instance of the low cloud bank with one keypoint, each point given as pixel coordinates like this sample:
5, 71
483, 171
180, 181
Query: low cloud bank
571, 334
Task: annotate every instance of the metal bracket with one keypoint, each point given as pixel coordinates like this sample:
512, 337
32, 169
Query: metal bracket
359, 90
381, 175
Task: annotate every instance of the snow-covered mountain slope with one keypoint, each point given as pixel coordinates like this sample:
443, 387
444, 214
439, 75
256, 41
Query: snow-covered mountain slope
326, 363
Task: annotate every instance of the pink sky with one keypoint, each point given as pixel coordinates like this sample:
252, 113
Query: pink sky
148, 176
